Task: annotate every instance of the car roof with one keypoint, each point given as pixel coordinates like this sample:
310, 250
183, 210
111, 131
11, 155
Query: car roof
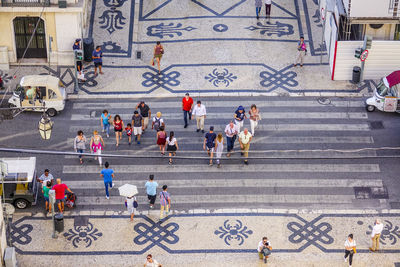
40, 80
21, 165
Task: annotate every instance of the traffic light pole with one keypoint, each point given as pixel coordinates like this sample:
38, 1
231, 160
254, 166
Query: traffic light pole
78, 56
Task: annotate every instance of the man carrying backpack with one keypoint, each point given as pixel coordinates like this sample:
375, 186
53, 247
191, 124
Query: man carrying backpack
157, 122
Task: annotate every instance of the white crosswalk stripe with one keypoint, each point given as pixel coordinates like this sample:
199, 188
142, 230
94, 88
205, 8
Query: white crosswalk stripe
304, 126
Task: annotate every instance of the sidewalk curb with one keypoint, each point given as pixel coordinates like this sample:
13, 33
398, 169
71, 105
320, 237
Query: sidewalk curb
155, 212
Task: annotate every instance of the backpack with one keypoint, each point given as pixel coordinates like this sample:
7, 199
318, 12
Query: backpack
157, 123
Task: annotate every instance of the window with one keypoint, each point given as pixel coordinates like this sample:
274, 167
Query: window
52, 94
397, 32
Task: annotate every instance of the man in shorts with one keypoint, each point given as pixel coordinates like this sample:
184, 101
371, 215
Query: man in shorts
145, 111
97, 57
209, 143
137, 122
60, 194
264, 249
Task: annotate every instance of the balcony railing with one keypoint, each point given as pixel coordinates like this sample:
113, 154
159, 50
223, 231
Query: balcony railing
24, 3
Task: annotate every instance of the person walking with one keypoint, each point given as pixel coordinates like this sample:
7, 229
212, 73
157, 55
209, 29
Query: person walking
46, 177
264, 249
129, 203
108, 175
172, 146
231, 132
187, 105
151, 190
97, 57
244, 140
165, 202
145, 112
268, 4
80, 145
161, 140
128, 131
376, 235
258, 4
137, 122
45, 190
118, 127
199, 111
150, 262
105, 122
219, 148
350, 249
301, 52
240, 116
158, 53
209, 143
254, 118
60, 194
97, 145
157, 122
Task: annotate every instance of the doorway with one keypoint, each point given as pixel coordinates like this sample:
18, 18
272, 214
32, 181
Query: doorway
23, 29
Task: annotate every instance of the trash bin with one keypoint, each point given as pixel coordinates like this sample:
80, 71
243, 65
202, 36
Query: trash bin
356, 74
59, 222
88, 47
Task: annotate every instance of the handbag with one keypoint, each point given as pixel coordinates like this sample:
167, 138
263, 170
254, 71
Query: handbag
354, 251
135, 204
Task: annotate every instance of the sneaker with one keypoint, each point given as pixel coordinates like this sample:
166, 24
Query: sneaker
219, 165
112, 185
107, 197
345, 259
129, 143
265, 260
202, 131
198, 130
108, 135
102, 131
138, 142
185, 126
246, 162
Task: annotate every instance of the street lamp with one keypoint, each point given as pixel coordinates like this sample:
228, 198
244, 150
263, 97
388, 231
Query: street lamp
45, 127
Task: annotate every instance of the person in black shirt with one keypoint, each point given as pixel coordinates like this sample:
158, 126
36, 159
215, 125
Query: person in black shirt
145, 112
209, 143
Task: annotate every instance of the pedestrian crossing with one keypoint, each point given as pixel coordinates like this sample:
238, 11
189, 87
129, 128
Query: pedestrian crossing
304, 155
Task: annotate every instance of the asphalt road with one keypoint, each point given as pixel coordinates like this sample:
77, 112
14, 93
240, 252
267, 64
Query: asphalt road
328, 177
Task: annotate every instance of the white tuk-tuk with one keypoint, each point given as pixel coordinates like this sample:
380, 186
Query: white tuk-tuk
387, 94
20, 185
36, 92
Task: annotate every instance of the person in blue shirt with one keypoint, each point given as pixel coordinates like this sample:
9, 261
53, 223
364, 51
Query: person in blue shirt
97, 56
240, 115
107, 175
77, 45
151, 189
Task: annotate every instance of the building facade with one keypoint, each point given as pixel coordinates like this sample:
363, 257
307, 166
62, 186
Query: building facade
58, 23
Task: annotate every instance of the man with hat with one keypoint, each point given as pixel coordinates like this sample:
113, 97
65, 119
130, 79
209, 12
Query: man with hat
187, 105
77, 45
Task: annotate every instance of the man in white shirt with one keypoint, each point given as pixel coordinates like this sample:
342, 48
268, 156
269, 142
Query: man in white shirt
150, 262
376, 234
264, 249
244, 140
200, 112
231, 131
45, 177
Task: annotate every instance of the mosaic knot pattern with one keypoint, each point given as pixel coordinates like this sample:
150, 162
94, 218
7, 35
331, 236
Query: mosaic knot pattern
168, 30
83, 235
220, 78
220, 28
230, 232
277, 28
390, 234
20, 235
155, 233
310, 233
276, 79
155, 80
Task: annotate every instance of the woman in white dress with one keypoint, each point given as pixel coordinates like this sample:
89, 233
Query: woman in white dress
219, 147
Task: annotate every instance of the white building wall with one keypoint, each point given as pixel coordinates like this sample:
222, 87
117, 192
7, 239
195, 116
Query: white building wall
383, 58
68, 28
369, 8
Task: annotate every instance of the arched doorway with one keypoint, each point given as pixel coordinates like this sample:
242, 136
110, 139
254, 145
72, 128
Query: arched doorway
23, 29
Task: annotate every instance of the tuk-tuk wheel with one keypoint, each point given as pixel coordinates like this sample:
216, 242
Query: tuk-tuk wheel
370, 108
21, 203
51, 112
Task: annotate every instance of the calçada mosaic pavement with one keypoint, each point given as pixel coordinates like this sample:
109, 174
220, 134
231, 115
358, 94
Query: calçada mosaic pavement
205, 239
211, 47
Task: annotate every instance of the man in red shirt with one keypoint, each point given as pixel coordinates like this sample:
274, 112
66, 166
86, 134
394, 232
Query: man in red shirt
60, 194
187, 105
